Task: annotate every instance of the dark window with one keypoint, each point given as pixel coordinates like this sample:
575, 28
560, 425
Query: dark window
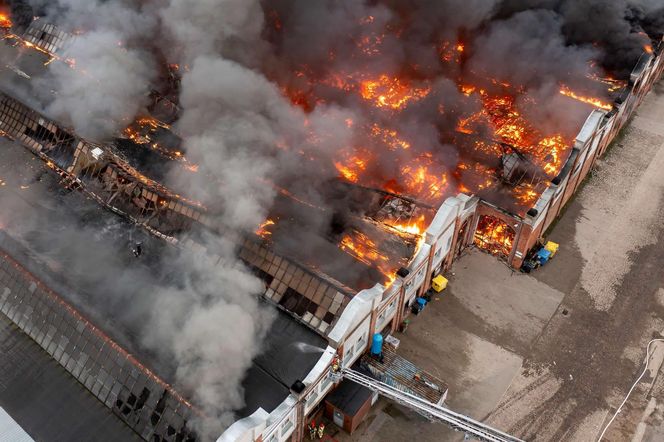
263, 275
312, 307
290, 299
329, 317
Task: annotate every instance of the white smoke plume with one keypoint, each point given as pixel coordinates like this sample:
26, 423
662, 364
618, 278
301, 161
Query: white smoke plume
210, 324
235, 64
107, 88
112, 76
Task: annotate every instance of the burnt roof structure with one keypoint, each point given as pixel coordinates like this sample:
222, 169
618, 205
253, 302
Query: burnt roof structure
123, 176
311, 270
269, 378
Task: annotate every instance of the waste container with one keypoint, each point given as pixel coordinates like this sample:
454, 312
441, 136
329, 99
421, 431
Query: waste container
543, 256
552, 247
439, 283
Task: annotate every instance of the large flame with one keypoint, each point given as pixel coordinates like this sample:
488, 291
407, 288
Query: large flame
391, 92
494, 235
412, 227
5, 21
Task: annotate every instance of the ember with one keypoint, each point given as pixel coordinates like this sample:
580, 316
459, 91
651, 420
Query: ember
389, 137
391, 92
146, 131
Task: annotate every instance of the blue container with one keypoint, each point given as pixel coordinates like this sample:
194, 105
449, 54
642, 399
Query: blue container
377, 344
421, 302
543, 256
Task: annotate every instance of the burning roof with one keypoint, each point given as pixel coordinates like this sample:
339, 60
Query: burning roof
414, 133
320, 140
368, 242
493, 118
416, 136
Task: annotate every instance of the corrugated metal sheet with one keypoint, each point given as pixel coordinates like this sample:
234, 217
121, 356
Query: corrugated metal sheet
403, 375
10, 431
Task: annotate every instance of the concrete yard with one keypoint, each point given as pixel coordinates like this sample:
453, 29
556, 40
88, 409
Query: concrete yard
549, 356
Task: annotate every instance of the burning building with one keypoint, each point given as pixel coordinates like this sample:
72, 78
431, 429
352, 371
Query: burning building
342, 175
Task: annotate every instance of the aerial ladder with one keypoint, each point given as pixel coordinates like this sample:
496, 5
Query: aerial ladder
434, 412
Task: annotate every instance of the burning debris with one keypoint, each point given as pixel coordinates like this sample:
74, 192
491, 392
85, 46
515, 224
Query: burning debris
264, 229
589, 100
494, 235
158, 136
391, 93
320, 150
5, 21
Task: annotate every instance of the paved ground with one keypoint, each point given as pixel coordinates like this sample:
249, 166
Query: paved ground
549, 356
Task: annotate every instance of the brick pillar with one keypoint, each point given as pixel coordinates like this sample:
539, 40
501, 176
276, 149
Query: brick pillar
524, 241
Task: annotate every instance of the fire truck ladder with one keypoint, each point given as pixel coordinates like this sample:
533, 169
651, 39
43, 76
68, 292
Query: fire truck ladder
431, 411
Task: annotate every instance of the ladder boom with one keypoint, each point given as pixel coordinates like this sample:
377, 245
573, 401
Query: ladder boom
430, 410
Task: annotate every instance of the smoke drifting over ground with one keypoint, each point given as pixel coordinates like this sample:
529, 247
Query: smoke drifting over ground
196, 318
288, 94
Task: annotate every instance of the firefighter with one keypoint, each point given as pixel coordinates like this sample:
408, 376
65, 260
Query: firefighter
312, 430
321, 430
335, 364
137, 250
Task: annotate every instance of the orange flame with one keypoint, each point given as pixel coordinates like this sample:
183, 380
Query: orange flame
143, 129
416, 227
526, 194
391, 92
352, 169
494, 236
262, 230
567, 92
363, 249
389, 137
5, 21
467, 89
360, 247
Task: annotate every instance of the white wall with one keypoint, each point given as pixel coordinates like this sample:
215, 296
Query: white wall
353, 331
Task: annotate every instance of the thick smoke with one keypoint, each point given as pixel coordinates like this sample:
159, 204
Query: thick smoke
539, 60
21, 12
208, 322
211, 27
611, 26
196, 317
105, 91
111, 79
240, 62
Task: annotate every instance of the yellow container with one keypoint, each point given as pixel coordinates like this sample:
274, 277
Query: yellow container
552, 247
439, 283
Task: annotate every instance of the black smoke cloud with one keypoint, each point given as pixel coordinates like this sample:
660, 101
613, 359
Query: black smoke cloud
169, 304
615, 27
238, 56
21, 12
